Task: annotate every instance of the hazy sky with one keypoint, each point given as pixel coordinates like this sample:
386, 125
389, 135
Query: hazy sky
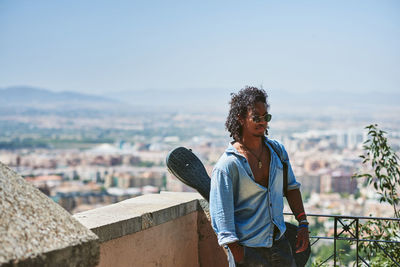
104, 46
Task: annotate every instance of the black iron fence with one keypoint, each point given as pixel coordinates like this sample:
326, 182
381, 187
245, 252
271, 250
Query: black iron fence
347, 228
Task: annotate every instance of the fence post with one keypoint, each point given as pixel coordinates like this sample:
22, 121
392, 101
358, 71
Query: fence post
358, 238
334, 243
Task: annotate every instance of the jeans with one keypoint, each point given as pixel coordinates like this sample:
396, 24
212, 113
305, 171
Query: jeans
280, 255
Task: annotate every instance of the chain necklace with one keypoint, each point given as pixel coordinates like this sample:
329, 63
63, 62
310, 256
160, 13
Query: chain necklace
259, 157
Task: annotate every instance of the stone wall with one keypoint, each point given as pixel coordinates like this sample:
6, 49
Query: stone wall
166, 229
35, 231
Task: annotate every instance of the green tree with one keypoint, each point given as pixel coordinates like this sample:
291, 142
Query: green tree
385, 177
344, 254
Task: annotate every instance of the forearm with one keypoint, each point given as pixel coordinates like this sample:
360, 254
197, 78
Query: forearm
296, 204
222, 208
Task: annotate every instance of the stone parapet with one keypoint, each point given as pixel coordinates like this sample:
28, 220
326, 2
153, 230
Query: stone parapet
166, 229
36, 231
138, 214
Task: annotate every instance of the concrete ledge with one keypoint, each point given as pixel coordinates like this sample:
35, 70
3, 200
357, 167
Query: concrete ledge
140, 213
35, 231
79, 255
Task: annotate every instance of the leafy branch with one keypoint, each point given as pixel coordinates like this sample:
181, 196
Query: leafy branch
386, 180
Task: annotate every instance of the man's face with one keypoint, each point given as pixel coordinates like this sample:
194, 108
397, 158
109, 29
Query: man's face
254, 124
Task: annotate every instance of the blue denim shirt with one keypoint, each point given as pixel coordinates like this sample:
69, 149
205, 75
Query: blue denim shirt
243, 210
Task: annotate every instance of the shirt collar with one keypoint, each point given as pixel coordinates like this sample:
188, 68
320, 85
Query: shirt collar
231, 149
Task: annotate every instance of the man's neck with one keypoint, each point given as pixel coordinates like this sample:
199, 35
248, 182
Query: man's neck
252, 142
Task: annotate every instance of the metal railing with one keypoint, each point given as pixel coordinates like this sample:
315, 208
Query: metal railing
347, 228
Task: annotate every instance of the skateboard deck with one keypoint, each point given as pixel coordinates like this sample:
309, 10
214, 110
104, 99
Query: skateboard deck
188, 168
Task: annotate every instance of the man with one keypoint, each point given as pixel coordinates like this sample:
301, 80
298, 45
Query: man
246, 197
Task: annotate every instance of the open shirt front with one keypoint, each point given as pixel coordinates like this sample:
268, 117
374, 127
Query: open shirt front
243, 210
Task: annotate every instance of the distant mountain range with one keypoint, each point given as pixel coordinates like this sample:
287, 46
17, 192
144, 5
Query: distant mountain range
25, 98
32, 96
313, 103
199, 100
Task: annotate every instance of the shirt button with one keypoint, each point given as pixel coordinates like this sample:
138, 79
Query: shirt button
270, 204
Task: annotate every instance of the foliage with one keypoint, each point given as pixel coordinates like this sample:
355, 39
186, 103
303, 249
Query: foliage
386, 180
345, 254
323, 250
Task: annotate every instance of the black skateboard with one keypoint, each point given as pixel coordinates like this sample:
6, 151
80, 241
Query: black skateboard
188, 168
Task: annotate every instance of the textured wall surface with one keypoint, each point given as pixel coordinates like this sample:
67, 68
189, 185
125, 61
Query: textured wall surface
210, 253
36, 231
166, 229
137, 214
171, 244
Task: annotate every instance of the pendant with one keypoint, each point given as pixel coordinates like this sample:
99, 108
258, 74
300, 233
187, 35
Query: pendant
259, 164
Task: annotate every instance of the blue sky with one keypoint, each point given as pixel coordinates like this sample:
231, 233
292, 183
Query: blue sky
111, 46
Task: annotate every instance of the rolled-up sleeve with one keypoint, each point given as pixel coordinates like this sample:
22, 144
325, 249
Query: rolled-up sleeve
292, 183
222, 207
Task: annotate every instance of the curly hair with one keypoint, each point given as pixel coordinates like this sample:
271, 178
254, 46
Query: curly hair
241, 103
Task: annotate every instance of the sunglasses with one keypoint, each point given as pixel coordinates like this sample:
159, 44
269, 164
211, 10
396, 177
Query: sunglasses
267, 117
